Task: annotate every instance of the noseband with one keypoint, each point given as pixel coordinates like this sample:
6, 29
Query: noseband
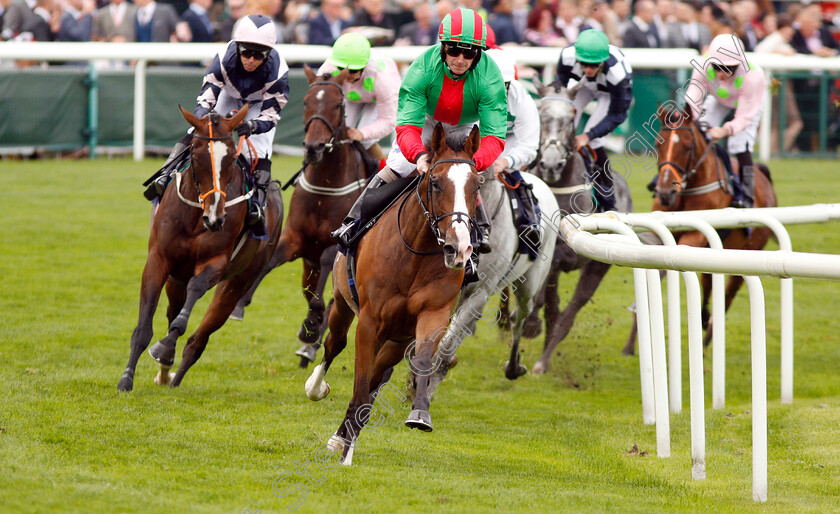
429, 212
332, 143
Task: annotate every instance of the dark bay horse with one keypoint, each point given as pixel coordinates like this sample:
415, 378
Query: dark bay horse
198, 240
409, 273
333, 177
564, 170
693, 177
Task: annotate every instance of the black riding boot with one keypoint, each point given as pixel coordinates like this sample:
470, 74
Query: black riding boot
746, 176
256, 215
157, 184
353, 220
601, 177
483, 223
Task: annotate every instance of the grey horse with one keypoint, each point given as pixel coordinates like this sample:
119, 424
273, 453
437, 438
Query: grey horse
503, 267
564, 170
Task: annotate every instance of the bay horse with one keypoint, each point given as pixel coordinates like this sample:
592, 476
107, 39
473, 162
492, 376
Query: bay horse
505, 266
693, 177
333, 177
410, 268
565, 171
194, 245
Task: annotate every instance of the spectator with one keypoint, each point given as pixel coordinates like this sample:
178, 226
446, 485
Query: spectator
502, 22
39, 26
811, 38
421, 32
76, 20
540, 31
235, 10
642, 32
199, 21
602, 18
475, 5
114, 22
269, 8
686, 32
569, 22
519, 13
372, 13
328, 25
292, 22
743, 14
15, 15
778, 42
156, 22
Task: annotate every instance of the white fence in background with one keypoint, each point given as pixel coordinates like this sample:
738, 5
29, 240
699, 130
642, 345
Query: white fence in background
622, 247
143, 53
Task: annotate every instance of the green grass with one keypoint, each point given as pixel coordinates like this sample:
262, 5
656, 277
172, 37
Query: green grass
74, 237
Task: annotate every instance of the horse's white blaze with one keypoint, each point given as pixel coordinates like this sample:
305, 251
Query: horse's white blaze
319, 95
459, 174
675, 138
218, 153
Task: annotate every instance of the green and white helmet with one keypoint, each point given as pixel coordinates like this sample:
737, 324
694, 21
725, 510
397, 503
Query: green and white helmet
351, 50
592, 46
463, 26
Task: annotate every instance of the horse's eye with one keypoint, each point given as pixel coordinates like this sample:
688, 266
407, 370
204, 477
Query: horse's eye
435, 185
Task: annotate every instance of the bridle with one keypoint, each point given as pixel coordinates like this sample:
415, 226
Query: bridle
335, 131
213, 118
683, 174
429, 212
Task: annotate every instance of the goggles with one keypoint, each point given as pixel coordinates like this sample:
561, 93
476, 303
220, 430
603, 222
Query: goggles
249, 52
468, 51
722, 68
350, 71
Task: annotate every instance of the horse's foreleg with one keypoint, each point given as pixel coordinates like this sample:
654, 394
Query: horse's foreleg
176, 293
154, 276
164, 350
341, 317
315, 318
358, 412
533, 325
431, 327
524, 305
591, 275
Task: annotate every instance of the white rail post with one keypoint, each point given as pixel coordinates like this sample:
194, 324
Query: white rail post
759, 388
695, 376
140, 109
660, 371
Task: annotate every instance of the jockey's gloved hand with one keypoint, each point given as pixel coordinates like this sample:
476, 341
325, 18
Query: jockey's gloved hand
423, 163
246, 128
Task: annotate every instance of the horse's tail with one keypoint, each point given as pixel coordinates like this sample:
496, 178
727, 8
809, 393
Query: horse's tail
764, 169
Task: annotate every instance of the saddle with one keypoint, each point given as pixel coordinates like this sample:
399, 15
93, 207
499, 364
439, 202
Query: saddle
376, 202
526, 213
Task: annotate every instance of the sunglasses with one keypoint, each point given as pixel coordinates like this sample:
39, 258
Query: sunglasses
720, 68
250, 53
454, 51
590, 65
351, 72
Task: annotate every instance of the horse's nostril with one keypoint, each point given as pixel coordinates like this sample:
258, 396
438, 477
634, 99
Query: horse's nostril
448, 250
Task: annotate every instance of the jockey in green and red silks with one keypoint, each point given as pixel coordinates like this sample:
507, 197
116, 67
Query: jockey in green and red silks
448, 83
432, 91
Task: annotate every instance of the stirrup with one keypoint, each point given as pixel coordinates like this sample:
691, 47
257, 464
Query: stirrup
156, 188
483, 240
344, 233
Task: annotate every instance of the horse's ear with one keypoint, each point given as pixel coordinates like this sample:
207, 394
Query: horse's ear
310, 75
231, 123
191, 118
473, 141
575, 90
438, 139
542, 90
342, 77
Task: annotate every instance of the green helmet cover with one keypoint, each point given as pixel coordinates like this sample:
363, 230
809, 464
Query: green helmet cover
351, 50
592, 46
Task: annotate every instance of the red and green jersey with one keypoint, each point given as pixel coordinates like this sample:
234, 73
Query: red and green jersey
429, 89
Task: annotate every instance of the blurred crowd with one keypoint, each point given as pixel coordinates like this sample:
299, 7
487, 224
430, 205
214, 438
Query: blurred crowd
784, 27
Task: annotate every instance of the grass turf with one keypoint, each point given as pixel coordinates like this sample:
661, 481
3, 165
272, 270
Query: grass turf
239, 430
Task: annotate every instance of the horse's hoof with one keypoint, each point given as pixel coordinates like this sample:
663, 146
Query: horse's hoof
419, 419
337, 445
629, 352
539, 368
320, 392
162, 354
513, 374
126, 384
308, 352
238, 313
164, 377
532, 329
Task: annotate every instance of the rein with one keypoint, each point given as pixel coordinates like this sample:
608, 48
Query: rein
429, 213
682, 175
